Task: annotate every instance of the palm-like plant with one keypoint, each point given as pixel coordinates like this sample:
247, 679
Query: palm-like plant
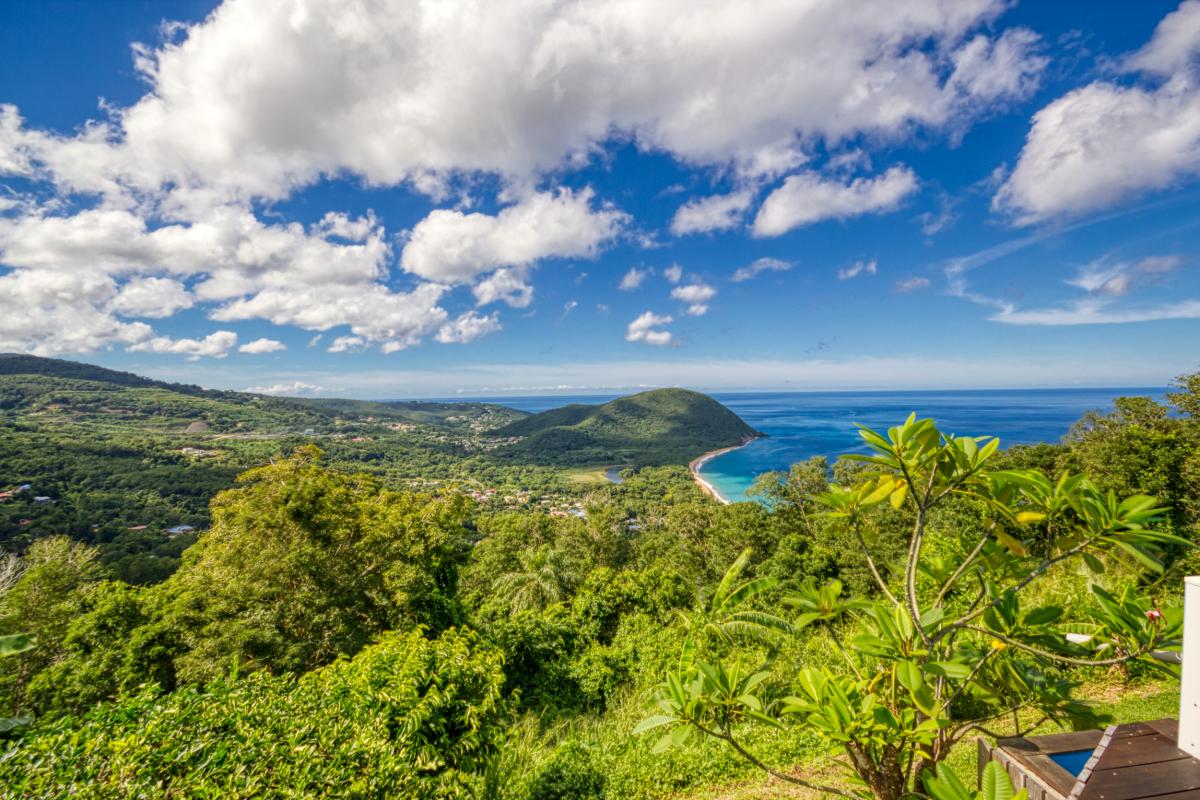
725, 616
539, 582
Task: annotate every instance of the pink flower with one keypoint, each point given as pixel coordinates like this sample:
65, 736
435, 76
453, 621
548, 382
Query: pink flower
1154, 615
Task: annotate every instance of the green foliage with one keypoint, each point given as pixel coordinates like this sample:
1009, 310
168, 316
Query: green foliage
408, 717
952, 632
303, 564
1186, 396
540, 580
994, 785
1141, 449
570, 774
251, 670
11, 645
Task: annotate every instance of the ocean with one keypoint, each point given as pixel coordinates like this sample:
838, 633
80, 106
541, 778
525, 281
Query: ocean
800, 425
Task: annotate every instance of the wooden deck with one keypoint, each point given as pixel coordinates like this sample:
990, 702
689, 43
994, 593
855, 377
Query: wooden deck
1137, 761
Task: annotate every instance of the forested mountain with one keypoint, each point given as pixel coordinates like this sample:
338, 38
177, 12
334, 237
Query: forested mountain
121, 460
661, 426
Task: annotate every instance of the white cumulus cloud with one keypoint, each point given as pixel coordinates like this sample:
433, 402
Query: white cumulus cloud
717, 213
507, 285
1106, 142
47, 312
648, 328
808, 197
467, 328
697, 295
633, 279
347, 344
215, 345
151, 297
288, 389
260, 98
452, 247
262, 346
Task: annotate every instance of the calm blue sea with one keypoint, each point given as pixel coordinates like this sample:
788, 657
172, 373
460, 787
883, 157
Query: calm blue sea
804, 424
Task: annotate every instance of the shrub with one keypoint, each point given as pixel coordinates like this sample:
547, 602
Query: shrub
406, 718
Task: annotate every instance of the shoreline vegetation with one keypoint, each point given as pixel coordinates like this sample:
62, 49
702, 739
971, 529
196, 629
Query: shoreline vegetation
698, 463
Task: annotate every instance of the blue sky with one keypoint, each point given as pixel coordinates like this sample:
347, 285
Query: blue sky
394, 199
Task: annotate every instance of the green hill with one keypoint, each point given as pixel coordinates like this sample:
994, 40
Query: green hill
663, 426
34, 384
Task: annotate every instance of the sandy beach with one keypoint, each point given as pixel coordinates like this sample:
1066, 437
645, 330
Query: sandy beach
698, 463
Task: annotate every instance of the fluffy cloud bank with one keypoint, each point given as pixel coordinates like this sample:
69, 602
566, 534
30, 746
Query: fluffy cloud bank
148, 211
452, 247
395, 91
215, 345
1106, 142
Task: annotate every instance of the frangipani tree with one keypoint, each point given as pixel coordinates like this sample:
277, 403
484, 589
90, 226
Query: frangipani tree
952, 645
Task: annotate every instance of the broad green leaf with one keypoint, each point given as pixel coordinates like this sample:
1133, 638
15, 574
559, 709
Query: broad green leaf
994, 783
15, 643
650, 723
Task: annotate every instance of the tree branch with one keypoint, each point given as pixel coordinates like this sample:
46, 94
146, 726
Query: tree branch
962, 568
783, 776
1081, 662
962, 621
871, 565
746, 754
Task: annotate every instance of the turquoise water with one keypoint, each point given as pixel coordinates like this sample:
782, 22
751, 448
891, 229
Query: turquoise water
805, 424
799, 426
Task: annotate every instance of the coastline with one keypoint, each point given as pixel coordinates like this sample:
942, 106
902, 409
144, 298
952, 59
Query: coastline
698, 463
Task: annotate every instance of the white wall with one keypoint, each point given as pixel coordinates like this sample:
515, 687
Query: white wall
1189, 695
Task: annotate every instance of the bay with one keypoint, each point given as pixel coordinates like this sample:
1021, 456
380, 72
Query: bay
800, 425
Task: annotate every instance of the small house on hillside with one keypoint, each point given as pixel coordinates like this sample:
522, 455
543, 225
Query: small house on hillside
1133, 761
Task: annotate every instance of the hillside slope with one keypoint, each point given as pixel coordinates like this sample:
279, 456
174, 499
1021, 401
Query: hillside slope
31, 384
118, 459
663, 426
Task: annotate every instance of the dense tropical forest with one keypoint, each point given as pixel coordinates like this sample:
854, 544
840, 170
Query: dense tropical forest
349, 626
129, 464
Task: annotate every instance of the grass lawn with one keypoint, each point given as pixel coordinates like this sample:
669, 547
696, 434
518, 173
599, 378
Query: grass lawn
586, 475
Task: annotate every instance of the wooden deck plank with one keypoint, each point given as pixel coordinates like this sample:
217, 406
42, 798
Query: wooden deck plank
1167, 727
1147, 780
1131, 752
1193, 794
1134, 729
